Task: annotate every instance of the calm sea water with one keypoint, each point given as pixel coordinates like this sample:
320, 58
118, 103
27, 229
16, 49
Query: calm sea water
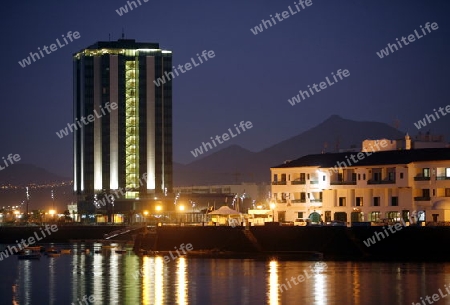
112, 278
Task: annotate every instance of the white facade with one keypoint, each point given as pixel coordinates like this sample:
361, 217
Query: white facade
364, 192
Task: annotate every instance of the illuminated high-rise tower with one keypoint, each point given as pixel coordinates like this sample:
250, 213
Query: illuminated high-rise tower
129, 133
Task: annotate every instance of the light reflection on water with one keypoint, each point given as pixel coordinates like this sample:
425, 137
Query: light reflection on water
113, 278
273, 283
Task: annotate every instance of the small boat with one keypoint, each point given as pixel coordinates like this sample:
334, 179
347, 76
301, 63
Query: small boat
36, 248
53, 252
66, 251
29, 254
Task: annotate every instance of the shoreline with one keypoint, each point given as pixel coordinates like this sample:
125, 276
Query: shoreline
258, 242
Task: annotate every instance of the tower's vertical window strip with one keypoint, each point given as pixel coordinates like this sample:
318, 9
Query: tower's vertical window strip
131, 124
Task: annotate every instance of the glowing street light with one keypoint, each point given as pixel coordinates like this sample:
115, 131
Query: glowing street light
52, 212
272, 207
145, 216
158, 208
181, 207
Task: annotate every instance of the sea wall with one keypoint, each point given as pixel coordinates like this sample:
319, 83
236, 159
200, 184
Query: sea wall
336, 243
222, 238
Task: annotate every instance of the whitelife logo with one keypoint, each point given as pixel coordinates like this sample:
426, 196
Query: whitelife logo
110, 198
168, 76
11, 159
315, 269
378, 235
53, 47
436, 297
411, 38
124, 9
341, 164
323, 85
72, 126
225, 137
183, 248
280, 17
423, 123
31, 240
85, 300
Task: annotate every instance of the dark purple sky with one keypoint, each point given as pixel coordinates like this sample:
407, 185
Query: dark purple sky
250, 78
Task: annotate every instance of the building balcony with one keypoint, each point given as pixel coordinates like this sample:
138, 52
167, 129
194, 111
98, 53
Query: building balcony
422, 198
442, 178
314, 182
298, 201
380, 181
281, 201
278, 182
296, 182
343, 183
315, 200
420, 178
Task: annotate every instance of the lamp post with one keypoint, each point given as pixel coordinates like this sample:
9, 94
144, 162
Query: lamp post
52, 213
272, 207
28, 202
53, 200
112, 207
158, 209
181, 208
145, 216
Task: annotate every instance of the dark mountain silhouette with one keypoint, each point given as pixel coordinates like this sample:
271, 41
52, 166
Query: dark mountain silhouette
235, 164
16, 177
25, 174
232, 164
330, 136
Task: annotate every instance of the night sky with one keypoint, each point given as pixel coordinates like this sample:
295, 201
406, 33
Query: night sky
250, 78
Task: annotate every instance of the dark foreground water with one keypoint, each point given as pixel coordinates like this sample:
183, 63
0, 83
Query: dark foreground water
111, 278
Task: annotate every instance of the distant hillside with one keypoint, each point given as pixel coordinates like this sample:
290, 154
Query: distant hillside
40, 198
235, 164
21, 175
228, 165
331, 135
24, 174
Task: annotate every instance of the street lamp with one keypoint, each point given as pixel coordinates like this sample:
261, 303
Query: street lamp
16, 213
181, 208
158, 208
272, 207
145, 216
53, 200
52, 213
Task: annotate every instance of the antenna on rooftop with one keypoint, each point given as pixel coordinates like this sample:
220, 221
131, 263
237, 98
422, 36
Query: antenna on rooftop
123, 34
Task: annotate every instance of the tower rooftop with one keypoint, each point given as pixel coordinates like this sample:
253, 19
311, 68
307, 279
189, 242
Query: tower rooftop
123, 44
